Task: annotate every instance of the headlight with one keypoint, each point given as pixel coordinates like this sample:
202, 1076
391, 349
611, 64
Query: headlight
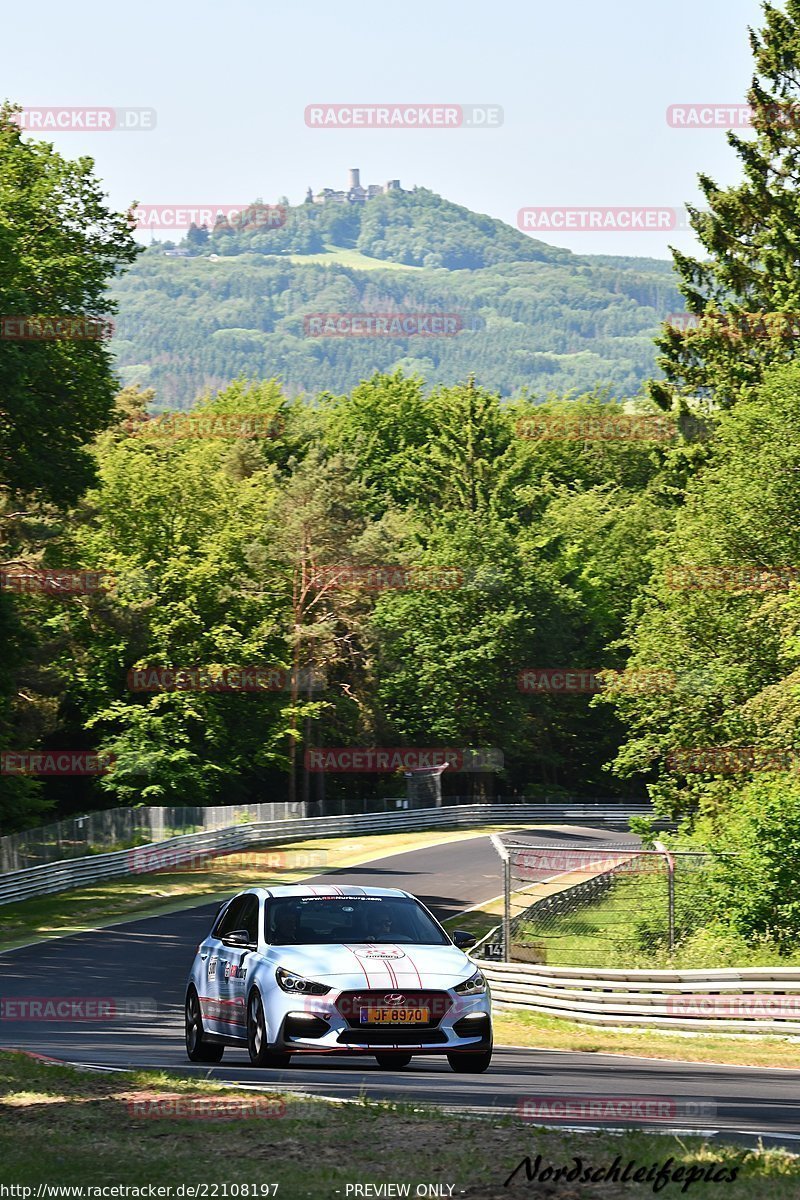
472, 986
296, 984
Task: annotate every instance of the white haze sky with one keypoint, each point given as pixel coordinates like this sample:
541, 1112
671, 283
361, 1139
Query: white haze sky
584, 87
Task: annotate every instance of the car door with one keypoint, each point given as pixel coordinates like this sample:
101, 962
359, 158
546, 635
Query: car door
232, 963
211, 995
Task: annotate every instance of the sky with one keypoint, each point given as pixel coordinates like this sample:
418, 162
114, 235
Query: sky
584, 90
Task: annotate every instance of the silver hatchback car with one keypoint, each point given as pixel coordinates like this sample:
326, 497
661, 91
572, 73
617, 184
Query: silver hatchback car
298, 969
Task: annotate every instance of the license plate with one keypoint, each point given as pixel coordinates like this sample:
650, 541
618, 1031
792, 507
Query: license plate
395, 1016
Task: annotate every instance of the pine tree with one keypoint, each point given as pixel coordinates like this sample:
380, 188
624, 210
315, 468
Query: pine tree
746, 292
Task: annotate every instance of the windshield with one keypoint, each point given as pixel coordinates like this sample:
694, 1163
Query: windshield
321, 920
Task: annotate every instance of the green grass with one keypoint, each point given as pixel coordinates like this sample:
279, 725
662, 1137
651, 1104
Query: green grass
628, 929
540, 1031
337, 256
62, 1127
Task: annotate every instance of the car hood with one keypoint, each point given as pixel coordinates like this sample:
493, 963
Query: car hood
375, 966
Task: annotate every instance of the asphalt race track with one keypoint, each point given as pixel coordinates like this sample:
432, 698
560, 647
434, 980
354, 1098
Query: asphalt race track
146, 962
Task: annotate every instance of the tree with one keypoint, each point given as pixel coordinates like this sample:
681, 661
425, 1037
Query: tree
756, 848
59, 248
383, 427
751, 270
319, 518
176, 522
469, 439
721, 610
197, 239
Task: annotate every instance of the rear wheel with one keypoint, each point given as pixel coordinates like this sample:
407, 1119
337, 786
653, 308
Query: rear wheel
470, 1062
257, 1043
197, 1048
392, 1060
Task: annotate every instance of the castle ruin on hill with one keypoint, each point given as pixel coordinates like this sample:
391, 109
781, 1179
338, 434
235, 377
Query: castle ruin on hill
355, 193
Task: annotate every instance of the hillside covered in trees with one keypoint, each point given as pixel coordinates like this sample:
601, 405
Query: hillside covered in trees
532, 317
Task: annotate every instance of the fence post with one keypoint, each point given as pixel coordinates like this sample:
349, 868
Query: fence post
507, 910
662, 849
506, 857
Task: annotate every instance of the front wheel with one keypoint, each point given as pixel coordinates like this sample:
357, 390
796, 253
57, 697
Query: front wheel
197, 1048
257, 1044
467, 1062
392, 1060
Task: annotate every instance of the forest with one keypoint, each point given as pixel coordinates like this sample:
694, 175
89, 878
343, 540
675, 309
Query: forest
532, 318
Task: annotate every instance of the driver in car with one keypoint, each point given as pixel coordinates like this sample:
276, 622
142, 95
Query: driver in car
381, 930
286, 926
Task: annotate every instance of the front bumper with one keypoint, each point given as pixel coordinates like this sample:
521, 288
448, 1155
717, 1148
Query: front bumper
314, 1025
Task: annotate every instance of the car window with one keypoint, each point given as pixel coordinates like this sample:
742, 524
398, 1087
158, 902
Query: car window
321, 920
248, 917
231, 918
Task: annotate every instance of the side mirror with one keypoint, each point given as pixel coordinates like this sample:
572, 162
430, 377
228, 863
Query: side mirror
462, 939
238, 937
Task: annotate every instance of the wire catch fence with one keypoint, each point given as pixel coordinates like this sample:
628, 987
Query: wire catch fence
601, 905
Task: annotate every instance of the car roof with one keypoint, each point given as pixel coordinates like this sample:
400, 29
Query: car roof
329, 890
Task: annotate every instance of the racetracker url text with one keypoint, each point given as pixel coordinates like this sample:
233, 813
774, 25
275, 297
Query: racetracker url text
140, 1191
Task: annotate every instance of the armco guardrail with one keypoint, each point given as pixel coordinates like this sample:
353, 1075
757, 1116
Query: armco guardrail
746, 999
77, 872
104, 831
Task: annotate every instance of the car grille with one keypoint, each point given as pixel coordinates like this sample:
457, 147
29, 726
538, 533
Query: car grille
350, 1004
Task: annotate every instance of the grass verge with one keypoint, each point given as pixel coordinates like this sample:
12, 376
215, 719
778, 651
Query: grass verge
539, 1031
59, 1126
